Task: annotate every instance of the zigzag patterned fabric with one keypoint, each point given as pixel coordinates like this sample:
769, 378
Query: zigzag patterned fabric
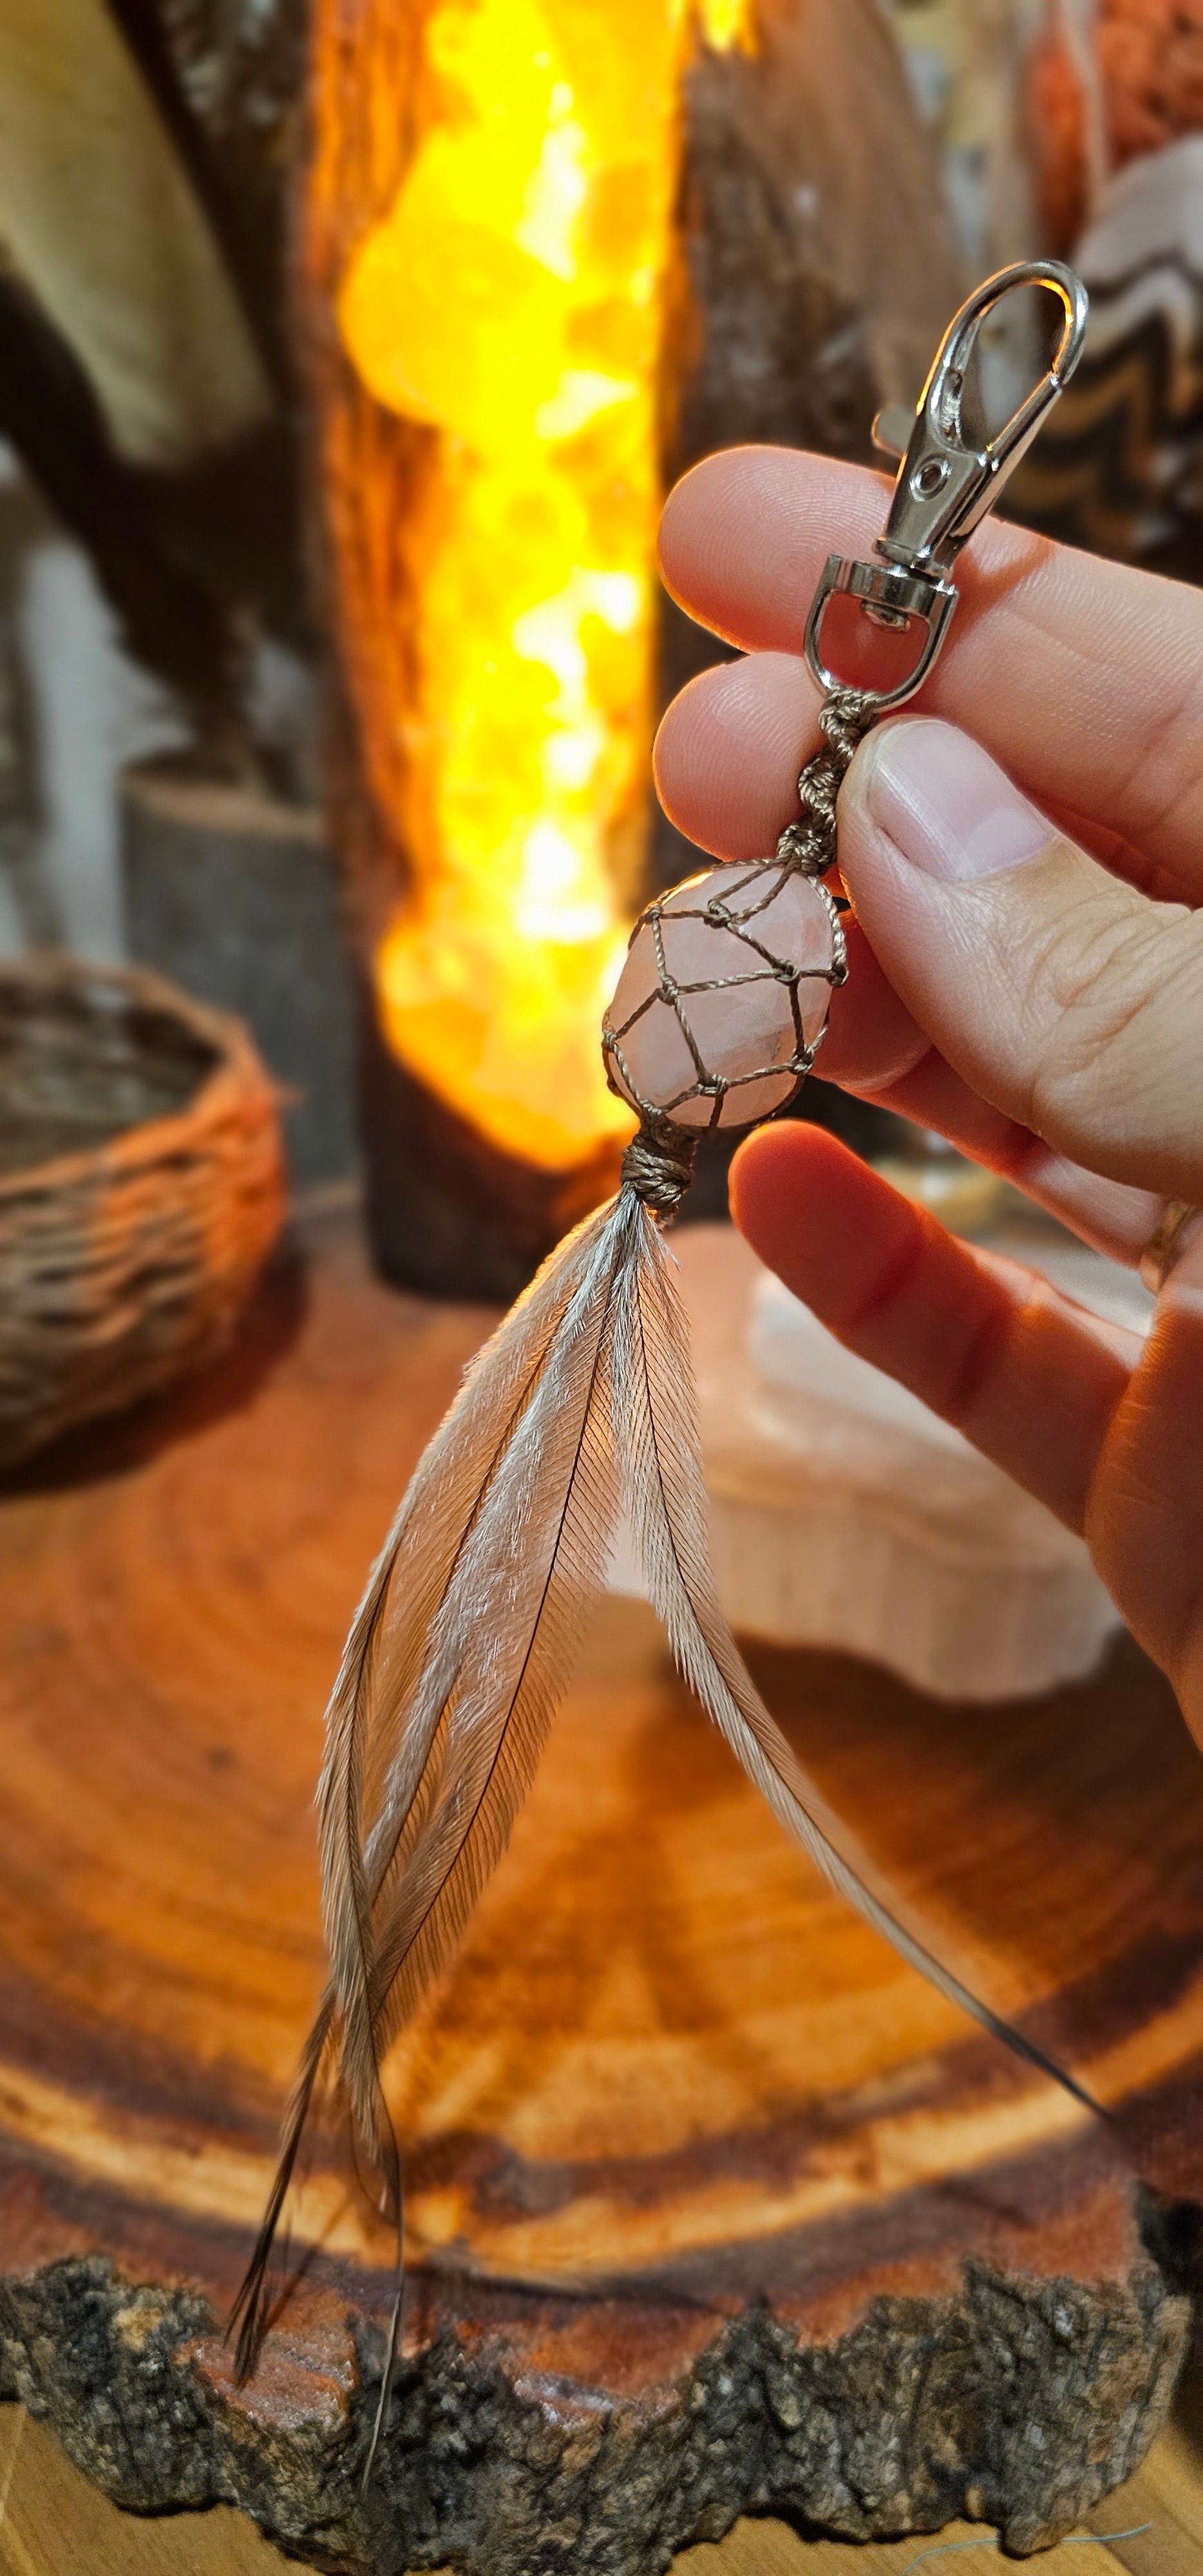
1119, 468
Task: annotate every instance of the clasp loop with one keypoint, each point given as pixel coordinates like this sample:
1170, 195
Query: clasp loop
945, 485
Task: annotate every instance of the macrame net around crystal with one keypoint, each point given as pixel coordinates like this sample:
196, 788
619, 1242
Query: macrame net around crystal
778, 953
779, 950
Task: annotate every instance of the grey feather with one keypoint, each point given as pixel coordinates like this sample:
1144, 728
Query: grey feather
466, 1639
505, 1638
383, 1757
462, 1646
459, 1651
666, 1497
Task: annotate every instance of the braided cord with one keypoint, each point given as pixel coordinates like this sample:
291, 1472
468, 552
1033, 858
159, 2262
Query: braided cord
658, 1164
845, 717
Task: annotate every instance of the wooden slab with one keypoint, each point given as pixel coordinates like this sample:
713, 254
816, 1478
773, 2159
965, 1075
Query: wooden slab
714, 2205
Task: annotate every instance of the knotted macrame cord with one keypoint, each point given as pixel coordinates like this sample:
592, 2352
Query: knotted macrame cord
658, 1163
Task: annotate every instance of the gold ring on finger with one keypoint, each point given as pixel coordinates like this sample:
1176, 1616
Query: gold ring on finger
1166, 1244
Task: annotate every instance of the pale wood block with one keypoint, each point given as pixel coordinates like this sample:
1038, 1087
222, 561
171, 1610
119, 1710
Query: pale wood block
1166, 2493
771, 2549
54, 2522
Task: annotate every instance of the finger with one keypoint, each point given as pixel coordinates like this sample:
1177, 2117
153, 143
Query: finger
1030, 1378
1145, 1517
734, 729
730, 746
877, 1051
723, 756
1084, 678
728, 752
1063, 998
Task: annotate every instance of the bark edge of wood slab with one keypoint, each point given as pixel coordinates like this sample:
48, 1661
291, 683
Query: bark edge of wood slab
1017, 2402
716, 2206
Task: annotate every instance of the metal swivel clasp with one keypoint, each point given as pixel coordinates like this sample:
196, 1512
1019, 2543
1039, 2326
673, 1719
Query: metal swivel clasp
945, 486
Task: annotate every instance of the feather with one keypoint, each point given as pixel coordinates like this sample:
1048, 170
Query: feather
460, 1650
504, 1640
666, 1497
465, 1641
390, 1739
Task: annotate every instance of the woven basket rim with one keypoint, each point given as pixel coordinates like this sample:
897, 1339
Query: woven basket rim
237, 1076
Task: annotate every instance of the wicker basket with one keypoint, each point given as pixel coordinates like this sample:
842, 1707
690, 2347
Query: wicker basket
141, 1186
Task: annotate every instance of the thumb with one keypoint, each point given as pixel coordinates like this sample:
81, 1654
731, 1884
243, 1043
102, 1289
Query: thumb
1068, 1000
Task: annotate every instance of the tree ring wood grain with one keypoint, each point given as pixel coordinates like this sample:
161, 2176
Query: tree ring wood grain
715, 2205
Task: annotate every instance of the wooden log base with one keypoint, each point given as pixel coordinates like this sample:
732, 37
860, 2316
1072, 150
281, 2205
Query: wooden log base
448, 1213
714, 2206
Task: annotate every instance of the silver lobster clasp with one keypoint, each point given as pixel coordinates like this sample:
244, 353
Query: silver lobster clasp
945, 485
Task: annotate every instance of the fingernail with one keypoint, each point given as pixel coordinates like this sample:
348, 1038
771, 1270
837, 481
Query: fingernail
946, 805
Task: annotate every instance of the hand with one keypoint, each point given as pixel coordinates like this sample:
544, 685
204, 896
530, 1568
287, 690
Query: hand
1039, 1006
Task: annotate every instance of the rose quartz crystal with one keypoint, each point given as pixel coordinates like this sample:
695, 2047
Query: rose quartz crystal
738, 942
